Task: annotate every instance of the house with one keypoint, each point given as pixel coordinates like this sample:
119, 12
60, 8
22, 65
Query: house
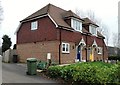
113, 51
63, 34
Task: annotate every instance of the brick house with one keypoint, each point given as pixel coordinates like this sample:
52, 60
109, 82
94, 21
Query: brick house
63, 34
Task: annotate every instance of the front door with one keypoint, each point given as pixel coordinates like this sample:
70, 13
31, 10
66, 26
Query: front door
79, 53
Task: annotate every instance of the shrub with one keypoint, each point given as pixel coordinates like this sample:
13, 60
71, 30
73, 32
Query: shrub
54, 71
114, 57
89, 72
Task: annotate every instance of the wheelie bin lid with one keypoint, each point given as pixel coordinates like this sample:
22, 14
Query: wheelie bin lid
31, 59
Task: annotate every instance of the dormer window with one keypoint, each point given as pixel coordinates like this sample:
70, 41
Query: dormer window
93, 30
76, 24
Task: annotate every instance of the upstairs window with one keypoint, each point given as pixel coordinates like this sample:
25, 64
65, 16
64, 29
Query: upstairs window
76, 24
93, 30
34, 25
65, 48
99, 50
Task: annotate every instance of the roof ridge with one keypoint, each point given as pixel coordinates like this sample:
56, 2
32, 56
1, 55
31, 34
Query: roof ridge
48, 9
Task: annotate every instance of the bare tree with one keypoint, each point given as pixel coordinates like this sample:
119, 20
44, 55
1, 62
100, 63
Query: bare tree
103, 29
115, 42
106, 33
115, 39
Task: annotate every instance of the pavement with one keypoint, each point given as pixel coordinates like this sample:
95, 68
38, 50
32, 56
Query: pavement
16, 73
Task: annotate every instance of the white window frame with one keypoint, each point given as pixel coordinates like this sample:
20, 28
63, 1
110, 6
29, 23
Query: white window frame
76, 24
34, 25
66, 47
93, 30
99, 50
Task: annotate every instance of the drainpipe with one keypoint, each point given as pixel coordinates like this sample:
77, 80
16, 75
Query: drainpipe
86, 48
103, 50
60, 45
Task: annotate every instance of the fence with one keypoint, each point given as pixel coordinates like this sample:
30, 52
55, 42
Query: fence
8, 55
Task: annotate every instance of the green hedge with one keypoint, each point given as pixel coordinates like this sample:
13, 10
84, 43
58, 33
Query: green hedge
114, 57
89, 72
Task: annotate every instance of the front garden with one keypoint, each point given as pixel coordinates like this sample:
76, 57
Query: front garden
86, 72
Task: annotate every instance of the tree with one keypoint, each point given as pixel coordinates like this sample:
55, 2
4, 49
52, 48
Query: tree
6, 43
115, 43
115, 39
103, 29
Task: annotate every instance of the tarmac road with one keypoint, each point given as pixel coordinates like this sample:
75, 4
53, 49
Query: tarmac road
16, 73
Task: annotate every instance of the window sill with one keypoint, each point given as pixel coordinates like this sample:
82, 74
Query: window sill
99, 53
65, 52
78, 31
94, 35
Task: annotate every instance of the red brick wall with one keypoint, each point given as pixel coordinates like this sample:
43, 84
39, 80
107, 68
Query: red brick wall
38, 50
46, 31
69, 57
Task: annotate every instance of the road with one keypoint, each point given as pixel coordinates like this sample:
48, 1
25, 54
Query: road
16, 73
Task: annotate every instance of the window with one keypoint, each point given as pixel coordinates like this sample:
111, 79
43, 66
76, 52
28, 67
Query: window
65, 48
99, 50
76, 24
34, 25
93, 30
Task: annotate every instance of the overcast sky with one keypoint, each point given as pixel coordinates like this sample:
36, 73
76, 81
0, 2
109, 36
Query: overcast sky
16, 10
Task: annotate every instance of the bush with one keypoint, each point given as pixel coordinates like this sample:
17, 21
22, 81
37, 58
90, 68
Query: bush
89, 72
54, 71
114, 57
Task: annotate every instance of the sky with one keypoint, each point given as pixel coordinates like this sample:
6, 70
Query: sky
16, 10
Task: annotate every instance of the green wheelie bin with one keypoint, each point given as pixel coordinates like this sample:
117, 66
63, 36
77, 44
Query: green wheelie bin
31, 66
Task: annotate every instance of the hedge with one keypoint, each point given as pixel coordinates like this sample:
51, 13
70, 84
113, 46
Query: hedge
114, 57
89, 72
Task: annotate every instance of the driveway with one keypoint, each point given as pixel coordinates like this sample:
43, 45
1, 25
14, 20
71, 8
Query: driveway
16, 73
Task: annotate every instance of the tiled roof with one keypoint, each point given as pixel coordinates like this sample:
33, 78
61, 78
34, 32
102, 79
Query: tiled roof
55, 13
100, 35
88, 21
85, 31
58, 15
69, 13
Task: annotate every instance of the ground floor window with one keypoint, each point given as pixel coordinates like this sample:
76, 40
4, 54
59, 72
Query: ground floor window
99, 50
65, 48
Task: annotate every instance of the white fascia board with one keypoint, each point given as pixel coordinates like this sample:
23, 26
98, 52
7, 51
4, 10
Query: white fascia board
82, 41
94, 43
36, 18
52, 20
76, 19
18, 28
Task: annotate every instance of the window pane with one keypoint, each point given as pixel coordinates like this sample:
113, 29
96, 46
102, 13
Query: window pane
99, 50
74, 23
63, 47
33, 25
66, 47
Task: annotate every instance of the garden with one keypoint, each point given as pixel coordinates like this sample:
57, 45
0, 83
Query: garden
86, 72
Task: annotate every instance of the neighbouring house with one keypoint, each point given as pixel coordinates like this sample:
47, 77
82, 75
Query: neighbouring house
63, 34
113, 51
